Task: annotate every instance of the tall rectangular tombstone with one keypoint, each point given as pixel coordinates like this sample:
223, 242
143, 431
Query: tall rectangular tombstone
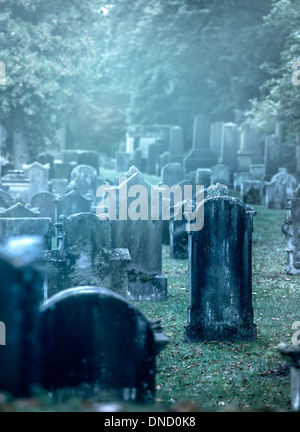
220, 259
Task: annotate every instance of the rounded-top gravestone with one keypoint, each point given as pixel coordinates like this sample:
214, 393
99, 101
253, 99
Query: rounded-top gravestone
92, 336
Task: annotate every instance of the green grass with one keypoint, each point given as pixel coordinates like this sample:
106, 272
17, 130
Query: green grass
223, 375
220, 376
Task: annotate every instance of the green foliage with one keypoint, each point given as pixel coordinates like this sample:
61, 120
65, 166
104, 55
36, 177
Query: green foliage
49, 52
280, 98
157, 62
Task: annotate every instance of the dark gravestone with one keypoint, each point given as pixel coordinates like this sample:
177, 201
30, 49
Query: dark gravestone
92, 336
221, 272
288, 179
21, 292
143, 239
276, 195
72, 203
89, 158
6, 201
200, 156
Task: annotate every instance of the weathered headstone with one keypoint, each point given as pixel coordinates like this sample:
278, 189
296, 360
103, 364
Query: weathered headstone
84, 179
276, 195
21, 291
146, 280
220, 174
200, 156
72, 203
221, 272
92, 336
291, 229
230, 146
38, 176
252, 192
288, 179
86, 257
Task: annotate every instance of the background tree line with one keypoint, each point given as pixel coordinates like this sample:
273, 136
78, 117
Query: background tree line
101, 68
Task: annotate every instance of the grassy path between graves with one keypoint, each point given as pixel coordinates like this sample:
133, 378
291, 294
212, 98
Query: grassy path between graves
216, 376
232, 376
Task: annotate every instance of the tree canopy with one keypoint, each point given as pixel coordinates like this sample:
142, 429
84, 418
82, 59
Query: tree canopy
101, 67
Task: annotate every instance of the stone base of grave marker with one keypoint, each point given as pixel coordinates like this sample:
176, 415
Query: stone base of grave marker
144, 287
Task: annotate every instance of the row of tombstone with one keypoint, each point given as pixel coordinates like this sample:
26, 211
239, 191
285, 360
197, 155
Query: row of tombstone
150, 150
35, 178
80, 334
